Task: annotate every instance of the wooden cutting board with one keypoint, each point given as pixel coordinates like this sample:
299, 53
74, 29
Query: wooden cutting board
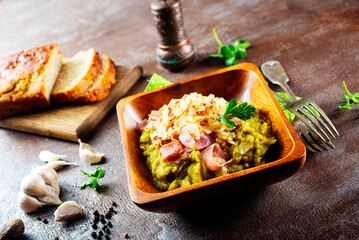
70, 121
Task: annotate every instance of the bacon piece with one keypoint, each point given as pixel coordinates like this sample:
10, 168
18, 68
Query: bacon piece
173, 152
205, 140
142, 126
214, 157
191, 144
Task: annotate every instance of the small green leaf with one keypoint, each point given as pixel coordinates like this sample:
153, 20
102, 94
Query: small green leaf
231, 61
241, 53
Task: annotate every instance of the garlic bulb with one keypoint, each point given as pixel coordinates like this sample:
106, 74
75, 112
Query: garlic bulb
52, 198
89, 154
33, 184
28, 203
59, 164
68, 211
39, 188
48, 174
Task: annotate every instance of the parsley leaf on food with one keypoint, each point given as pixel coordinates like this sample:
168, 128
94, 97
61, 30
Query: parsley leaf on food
232, 52
95, 175
350, 98
243, 111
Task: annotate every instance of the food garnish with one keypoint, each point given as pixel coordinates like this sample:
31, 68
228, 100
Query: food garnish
232, 52
95, 175
243, 111
350, 98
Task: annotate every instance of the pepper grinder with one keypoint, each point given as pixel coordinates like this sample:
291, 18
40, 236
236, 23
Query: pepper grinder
174, 50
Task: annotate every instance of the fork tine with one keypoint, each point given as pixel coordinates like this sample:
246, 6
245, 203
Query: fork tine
309, 145
299, 112
324, 116
308, 108
315, 138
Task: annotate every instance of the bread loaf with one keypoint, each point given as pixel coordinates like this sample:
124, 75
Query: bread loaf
27, 78
102, 85
76, 76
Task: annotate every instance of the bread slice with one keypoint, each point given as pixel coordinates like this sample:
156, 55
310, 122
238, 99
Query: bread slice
76, 76
27, 78
102, 85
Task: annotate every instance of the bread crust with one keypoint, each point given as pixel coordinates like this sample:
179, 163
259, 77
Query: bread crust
80, 88
102, 88
22, 85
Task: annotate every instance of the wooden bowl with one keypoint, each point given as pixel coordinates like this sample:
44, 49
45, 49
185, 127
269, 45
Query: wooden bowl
244, 82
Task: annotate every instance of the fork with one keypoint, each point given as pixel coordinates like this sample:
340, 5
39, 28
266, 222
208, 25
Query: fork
304, 109
311, 141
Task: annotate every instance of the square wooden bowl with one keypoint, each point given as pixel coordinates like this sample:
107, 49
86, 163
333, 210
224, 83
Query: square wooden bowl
244, 82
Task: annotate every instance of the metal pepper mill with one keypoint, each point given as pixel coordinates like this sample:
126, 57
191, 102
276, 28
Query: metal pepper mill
174, 50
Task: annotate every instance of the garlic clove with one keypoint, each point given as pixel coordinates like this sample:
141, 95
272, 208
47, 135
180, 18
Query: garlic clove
68, 211
56, 187
47, 173
88, 154
47, 156
28, 203
33, 184
59, 164
52, 198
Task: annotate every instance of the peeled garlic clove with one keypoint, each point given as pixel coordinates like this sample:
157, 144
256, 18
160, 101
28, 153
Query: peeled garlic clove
33, 184
47, 156
47, 173
28, 203
59, 164
52, 198
89, 154
68, 211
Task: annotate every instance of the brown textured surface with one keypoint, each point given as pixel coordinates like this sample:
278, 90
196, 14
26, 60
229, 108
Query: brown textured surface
316, 41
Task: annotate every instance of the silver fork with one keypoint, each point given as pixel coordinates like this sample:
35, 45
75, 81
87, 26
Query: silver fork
311, 141
305, 109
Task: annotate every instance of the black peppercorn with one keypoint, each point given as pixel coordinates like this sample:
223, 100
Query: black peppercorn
107, 237
45, 221
100, 233
96, 219
114, 204
107, 231
95, 213
56, 238
102, 219
94, 226
108, 215
111, 209
94, 234
109, 224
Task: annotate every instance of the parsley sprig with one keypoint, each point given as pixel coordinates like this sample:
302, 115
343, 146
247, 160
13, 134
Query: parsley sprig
95, 175
242, 111
350, 98
232, 52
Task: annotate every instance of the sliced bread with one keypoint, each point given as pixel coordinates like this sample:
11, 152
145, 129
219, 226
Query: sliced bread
76, 76
27, 78
102, 85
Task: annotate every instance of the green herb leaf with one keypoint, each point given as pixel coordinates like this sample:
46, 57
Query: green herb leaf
236, 109
232, 52
351, 99
95, 175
